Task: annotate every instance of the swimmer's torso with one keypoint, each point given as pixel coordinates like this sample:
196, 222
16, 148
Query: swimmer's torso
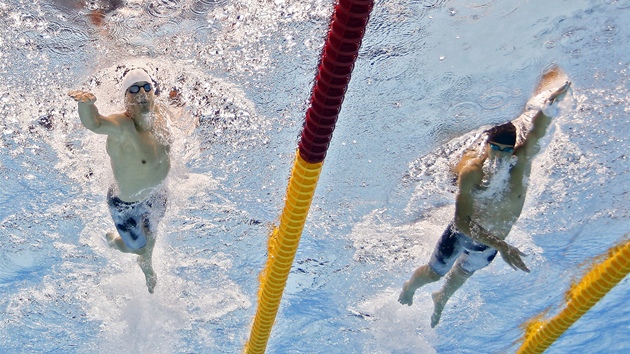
498, 202
140, 162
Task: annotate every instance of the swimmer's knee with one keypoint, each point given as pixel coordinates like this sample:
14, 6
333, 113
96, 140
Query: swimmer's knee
432, 274
462, 271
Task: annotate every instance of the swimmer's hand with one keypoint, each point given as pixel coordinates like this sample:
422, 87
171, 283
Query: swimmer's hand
82, 96
558, 95
512, 256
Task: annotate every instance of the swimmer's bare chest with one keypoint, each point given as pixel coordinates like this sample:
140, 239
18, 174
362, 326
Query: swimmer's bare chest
138, 161
141, 150
500, 211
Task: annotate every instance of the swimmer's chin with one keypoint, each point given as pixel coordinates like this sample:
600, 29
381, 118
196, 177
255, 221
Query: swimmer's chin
143, 108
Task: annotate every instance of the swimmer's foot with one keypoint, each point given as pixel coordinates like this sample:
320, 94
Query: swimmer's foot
406, 296
149, 274
110, 237
151, 282
559, 93
439, 301
113, 240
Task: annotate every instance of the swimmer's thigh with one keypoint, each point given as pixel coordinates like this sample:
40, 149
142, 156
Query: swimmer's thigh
446, 252
153, 210
472, 261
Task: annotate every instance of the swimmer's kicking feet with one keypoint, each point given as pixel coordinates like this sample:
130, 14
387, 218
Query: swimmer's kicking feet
423, 275
491, 194
138, 144
144, 257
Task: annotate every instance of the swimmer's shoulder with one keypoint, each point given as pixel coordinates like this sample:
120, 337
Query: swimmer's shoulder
471, 173
118, 118
469, 163
120, 125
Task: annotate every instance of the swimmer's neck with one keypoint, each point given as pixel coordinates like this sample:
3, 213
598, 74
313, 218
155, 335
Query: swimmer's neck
143, 119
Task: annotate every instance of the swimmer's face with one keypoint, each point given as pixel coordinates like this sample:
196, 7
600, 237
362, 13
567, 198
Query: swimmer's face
500, 150
140, 93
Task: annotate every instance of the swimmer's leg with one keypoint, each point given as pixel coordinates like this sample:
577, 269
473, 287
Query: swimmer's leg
144, 260
454, 280
423, 275
446, 252
145, 255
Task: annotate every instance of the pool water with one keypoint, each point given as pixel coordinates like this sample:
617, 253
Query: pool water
236, 77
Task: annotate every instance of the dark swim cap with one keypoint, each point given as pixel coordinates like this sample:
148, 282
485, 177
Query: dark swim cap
503, 134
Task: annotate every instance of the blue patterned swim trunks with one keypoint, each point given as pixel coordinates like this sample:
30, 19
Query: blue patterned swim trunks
134, 219
455, 246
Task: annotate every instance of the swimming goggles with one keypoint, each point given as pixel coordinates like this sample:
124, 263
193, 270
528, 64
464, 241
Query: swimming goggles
496, 147
135, 88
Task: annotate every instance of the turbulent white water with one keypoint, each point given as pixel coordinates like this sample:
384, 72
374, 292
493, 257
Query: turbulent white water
236, 77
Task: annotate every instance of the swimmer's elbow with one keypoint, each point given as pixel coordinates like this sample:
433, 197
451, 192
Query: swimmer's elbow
462, 223
93, 124
90, 124
90, 118
104, 127
540, 124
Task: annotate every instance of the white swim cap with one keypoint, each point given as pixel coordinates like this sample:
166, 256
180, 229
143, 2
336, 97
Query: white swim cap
133, 76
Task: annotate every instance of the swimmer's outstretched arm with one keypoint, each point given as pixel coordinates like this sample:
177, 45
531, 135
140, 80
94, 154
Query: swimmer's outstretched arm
539, 117
91, 118
540, 122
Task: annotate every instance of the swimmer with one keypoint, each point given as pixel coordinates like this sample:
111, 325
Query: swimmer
492, 187
138, 144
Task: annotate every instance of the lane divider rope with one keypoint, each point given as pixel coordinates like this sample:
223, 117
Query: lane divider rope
339, 54
540, 334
